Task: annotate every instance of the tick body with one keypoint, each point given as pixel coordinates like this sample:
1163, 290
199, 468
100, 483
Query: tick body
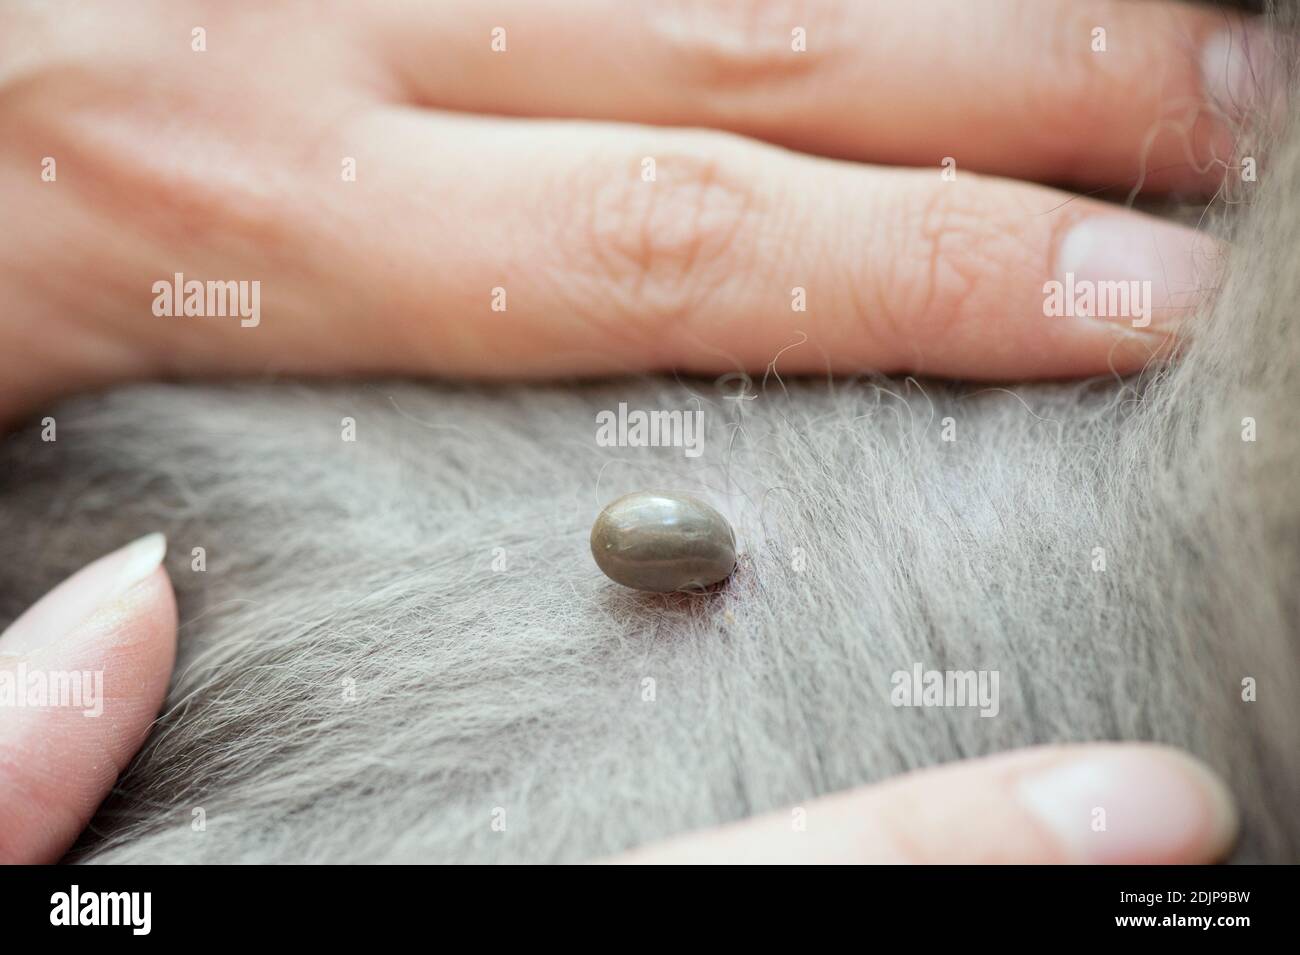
663, 542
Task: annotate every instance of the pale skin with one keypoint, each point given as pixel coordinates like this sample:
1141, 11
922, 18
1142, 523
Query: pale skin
649, 185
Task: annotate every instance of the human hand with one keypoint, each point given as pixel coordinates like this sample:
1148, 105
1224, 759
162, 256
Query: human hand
395, 179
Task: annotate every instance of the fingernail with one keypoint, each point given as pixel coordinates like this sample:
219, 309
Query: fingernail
72, 602
1135, 805
1241, 70
1136, 270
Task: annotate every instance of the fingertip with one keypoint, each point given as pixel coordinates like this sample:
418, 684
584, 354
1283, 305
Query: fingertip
1242, 71
1131, 804
1135, 270
1125, 288
1218, 806
89, 591
82, 699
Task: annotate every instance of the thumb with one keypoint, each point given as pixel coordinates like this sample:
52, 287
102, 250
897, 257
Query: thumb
82, 675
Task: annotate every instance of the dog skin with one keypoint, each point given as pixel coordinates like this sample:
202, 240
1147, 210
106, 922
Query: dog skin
395, 646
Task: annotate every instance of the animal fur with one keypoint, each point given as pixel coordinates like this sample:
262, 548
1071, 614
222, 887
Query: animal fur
360, 678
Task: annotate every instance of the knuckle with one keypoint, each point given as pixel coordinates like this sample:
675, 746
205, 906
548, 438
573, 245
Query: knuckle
658, 247
721, 43
1082, 87
178, 189
941, 267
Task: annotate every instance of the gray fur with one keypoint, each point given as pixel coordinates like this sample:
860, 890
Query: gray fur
369, 565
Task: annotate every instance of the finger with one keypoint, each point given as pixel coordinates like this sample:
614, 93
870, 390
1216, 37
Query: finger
82, 675
1091, 92
1100, 803
724, 255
